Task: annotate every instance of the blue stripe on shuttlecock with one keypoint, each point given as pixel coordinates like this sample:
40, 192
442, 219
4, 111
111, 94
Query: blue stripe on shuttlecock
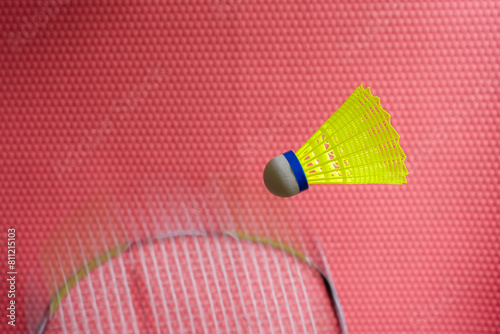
297, 169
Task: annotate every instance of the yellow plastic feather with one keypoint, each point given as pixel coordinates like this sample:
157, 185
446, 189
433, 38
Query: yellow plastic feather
356, 145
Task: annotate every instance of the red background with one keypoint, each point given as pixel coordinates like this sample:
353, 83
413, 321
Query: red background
104, 94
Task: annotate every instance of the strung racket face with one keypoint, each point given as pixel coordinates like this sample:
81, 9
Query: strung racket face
169, 260
195, 282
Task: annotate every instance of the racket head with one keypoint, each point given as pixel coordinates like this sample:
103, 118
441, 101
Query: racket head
111, 259
197, 282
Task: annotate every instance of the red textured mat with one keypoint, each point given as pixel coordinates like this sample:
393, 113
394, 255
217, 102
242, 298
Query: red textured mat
102, 95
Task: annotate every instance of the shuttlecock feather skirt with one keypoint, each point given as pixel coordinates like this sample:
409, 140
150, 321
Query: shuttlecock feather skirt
357, 144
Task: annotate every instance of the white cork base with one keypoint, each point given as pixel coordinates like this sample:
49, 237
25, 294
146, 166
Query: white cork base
279, 177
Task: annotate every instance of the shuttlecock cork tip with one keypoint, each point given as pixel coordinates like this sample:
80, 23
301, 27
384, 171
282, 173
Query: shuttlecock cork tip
284, 176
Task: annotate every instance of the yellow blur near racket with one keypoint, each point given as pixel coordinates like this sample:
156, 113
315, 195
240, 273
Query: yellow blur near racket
356, 145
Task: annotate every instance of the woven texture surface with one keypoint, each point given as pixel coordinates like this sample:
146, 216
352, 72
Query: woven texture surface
99, 95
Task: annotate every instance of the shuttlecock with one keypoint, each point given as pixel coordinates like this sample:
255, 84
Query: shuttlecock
356, 145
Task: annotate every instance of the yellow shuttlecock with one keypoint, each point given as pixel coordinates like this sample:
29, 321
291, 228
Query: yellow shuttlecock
356, 145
